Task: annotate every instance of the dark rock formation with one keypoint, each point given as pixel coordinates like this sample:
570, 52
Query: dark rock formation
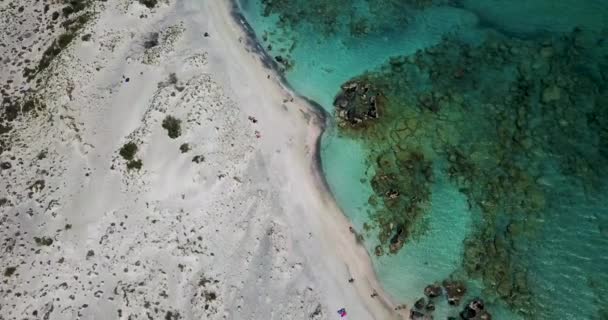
433, 290
476, 304
398, 240
379, 251
475, 310
455, 290
358, 102
416, 315
420, 303
468, 313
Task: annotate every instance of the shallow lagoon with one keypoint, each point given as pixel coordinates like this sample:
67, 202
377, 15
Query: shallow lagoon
562, 254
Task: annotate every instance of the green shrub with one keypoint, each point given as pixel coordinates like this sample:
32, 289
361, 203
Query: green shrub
134, 164
198, 159
72, 27
128, 151
149, 3
184, 148
44, 241
173, 126
9, 271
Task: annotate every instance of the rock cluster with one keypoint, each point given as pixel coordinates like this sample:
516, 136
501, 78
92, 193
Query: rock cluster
475, 310
495, 113
357, 103
454, 291
402, 187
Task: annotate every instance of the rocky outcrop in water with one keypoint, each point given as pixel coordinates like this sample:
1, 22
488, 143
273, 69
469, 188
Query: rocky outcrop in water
402, 187
417, 315
455, 290
475, 310
433, 290
495, 113
420, 303
357, 103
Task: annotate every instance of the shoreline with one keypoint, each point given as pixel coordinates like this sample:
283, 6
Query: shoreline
268, 61
340, 218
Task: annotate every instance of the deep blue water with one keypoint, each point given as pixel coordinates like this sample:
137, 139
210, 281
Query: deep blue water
537, 189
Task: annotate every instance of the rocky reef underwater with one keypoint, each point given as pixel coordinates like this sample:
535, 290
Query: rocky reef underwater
517, 122
502, 119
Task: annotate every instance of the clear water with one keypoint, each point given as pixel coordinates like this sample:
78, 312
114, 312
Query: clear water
566, 258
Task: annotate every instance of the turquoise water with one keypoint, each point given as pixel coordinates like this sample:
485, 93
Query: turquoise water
547, 216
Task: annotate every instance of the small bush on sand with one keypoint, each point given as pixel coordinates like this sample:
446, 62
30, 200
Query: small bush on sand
9, 271
184, 148
134, 164
128, 151
173, 126
149, 3
198, 159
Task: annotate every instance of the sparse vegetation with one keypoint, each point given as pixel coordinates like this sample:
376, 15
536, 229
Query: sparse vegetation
184, 148
134, 164
209, 295
71, 26
73, 6
152, 40
41, 155
44, 241
5, 129
128, 151
173, 126
172, 78
198, 159
11, 109
149, 3
9, 271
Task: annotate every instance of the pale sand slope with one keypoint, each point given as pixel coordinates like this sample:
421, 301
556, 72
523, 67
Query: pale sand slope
248, 233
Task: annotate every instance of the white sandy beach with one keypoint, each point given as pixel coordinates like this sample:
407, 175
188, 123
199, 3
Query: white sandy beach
248, 231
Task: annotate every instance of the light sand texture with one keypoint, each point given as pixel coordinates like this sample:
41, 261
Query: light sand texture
248, 231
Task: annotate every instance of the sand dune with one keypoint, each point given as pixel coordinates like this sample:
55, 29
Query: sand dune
228, 219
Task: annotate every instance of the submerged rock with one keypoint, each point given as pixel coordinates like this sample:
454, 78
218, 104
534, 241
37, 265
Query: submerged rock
475, 310
379, 251
455, 290
468, 313
401, 185
358, 102
433, 290
397, 241
420, 303
416, 315
476, 304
